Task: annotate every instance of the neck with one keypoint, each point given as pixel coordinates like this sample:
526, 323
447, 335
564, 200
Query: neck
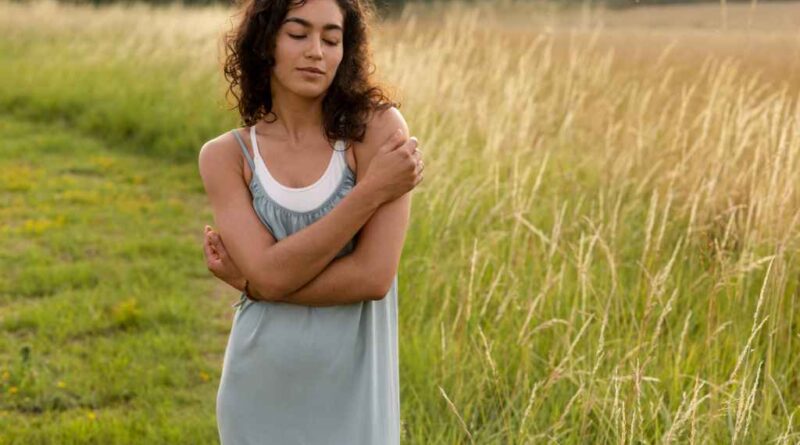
298, 117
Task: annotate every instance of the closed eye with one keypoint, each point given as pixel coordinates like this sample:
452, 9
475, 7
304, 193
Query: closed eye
300, 37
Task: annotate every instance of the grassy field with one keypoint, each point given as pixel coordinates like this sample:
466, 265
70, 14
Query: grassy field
604, 250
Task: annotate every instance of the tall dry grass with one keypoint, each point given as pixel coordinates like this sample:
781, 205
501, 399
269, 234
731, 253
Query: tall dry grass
605, 246
625, 204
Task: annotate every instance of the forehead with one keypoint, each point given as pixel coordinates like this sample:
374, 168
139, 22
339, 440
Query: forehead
324, 14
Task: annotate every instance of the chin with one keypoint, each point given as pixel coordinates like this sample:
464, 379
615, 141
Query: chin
309, 92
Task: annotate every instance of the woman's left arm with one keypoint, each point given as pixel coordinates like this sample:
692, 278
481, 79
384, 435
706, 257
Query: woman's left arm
364, 274
371, 267
368, 271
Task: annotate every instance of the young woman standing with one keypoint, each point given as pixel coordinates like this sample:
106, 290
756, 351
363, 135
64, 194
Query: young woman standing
312, 354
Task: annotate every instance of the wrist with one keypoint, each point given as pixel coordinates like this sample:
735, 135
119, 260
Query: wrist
369, 194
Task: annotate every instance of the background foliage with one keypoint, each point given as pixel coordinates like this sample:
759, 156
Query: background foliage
604, 248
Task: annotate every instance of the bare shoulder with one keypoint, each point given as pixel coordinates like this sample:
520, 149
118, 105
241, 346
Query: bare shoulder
220, 154
380, 126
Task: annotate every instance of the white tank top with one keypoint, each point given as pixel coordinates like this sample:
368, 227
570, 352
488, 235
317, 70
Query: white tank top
301, 199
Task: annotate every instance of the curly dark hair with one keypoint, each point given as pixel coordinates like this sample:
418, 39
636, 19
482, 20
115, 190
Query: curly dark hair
351, 97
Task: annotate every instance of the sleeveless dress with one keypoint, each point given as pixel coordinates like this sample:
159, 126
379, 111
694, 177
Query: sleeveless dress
302, 375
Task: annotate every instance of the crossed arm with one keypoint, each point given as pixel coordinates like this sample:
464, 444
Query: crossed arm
347, 279
301, 269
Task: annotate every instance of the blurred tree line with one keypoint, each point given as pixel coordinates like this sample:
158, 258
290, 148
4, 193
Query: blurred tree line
391, 7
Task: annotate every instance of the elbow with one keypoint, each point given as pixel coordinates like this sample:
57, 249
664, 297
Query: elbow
265, 290
381, 285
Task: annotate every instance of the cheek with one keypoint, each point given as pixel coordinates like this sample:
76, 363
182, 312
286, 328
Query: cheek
334, 59
285, 50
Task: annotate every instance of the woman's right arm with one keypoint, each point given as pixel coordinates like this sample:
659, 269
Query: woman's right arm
275, 269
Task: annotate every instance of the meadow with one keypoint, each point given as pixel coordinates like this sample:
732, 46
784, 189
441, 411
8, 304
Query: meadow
604, 249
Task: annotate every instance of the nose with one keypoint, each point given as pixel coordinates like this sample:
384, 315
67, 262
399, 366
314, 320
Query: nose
314, 50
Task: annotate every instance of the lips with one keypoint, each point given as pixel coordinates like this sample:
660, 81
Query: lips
312, 70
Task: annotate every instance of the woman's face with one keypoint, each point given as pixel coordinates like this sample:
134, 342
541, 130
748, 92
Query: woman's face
310, 37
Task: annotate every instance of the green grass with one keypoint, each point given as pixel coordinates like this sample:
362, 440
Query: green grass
112, 328
555, 286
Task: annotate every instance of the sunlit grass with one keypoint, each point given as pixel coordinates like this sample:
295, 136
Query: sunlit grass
604, 247
102, 305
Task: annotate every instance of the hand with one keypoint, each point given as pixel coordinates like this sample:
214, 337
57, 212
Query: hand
396, 168
218, 260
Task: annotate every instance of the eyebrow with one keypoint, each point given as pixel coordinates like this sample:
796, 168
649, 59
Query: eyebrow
307, 24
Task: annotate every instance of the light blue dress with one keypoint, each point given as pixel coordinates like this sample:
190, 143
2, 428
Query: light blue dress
301, 375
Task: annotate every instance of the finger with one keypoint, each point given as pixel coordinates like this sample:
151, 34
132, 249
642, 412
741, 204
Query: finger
209, 238
207, 248
212, 244
212, 260
411, 144
220, 246
395, 141
223, 254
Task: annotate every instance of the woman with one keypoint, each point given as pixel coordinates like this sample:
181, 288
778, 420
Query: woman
312, 353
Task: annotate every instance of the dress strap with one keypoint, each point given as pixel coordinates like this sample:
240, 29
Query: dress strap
244, 150
339, 151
